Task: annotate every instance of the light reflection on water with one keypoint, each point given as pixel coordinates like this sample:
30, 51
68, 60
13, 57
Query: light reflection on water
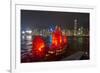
76, 44
80, 43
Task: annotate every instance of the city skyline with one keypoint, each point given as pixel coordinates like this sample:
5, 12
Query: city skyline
43, 19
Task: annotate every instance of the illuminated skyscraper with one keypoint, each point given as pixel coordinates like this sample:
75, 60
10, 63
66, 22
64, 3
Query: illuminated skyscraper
75, 27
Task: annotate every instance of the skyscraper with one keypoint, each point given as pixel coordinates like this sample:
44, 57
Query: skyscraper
75, 27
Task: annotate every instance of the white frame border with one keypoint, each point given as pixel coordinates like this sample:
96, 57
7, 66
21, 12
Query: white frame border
39, 66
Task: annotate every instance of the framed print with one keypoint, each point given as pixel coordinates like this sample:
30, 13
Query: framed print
48, 36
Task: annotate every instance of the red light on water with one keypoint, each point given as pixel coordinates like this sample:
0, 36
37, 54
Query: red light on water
65, 41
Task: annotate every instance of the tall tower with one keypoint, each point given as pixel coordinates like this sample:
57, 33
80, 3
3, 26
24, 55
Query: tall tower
75, 27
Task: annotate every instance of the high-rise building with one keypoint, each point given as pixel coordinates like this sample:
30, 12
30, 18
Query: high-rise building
75, 27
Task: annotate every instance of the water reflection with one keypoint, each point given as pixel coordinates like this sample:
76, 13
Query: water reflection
78, 49
79, 43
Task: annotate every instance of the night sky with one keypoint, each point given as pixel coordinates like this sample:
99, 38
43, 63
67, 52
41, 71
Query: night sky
42, 19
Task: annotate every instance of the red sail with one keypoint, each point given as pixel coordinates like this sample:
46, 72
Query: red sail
38, 47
